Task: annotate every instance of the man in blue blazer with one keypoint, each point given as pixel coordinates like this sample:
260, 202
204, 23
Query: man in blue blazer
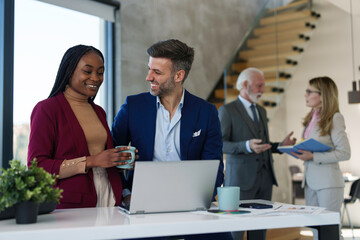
169, 123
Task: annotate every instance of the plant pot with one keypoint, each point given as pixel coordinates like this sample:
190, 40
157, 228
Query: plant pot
47, 207
7, 213
26, 212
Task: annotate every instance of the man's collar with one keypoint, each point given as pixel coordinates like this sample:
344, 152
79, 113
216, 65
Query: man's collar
181, 104
245, 102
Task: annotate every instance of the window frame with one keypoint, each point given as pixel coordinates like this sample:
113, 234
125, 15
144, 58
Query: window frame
6, 80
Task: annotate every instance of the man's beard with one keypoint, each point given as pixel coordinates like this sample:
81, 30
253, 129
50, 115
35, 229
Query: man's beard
254, 97
165, 88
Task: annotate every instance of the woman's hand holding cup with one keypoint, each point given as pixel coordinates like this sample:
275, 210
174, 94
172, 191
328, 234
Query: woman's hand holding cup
130, 152
110, 158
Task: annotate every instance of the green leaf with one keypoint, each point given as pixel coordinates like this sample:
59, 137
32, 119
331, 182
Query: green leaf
19, 183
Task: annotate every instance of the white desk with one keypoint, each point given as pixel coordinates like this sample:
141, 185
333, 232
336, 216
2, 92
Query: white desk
111, 223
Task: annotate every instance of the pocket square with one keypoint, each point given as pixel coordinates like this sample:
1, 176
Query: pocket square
196, 134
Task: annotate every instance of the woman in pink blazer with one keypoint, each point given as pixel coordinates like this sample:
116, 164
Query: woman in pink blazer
70, 136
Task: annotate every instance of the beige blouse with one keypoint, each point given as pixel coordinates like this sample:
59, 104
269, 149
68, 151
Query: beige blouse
96, 138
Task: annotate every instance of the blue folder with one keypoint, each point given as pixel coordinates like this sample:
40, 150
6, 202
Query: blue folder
310, 145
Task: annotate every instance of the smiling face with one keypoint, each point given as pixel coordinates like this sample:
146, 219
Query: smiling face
160, 77
313, 97
88, 75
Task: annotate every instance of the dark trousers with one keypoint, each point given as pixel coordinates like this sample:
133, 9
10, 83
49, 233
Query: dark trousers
262, 189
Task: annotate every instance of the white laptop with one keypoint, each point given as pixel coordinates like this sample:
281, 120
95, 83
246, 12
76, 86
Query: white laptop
172, 186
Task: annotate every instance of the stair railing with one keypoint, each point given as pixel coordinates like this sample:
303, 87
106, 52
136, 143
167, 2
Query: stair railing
264, 12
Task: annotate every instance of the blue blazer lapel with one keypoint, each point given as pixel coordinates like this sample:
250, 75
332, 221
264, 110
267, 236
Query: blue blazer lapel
189, 115
148, 127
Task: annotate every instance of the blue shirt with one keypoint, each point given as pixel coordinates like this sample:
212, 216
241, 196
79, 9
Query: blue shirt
167, 134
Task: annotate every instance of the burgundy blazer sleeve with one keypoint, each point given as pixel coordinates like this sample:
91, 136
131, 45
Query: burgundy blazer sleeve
44, 136
57, 135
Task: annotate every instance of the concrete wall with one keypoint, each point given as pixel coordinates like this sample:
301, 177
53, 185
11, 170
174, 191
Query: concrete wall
328, 53
214, 28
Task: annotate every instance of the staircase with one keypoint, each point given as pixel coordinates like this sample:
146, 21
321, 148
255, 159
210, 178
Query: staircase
274, 45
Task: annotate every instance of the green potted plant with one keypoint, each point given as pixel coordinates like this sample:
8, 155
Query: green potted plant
25, 188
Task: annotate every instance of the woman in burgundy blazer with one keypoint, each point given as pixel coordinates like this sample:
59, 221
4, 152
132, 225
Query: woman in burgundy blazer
57, 137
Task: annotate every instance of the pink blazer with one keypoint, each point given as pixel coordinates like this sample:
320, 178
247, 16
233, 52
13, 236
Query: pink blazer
57, 135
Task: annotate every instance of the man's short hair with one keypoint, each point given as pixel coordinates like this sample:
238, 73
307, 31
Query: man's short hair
246, 75
181, 55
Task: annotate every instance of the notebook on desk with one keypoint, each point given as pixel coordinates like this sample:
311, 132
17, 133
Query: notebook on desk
172, 186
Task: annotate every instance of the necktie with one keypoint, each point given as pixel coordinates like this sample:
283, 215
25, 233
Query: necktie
255, 118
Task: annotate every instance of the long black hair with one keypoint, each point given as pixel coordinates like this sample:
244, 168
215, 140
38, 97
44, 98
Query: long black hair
68, 65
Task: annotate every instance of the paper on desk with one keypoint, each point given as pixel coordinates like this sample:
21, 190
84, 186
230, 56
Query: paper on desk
280, 209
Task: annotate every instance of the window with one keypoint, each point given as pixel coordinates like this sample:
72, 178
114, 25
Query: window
42, 34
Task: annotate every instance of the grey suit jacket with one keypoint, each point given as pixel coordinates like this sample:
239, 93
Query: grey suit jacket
237, 128
324, 170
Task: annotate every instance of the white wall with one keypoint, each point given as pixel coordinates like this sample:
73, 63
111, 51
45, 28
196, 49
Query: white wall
327, 54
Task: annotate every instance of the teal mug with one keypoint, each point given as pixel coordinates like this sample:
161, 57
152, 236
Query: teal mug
130, 161
228, 198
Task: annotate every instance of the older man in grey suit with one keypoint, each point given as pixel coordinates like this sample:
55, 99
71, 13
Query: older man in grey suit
249, 162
